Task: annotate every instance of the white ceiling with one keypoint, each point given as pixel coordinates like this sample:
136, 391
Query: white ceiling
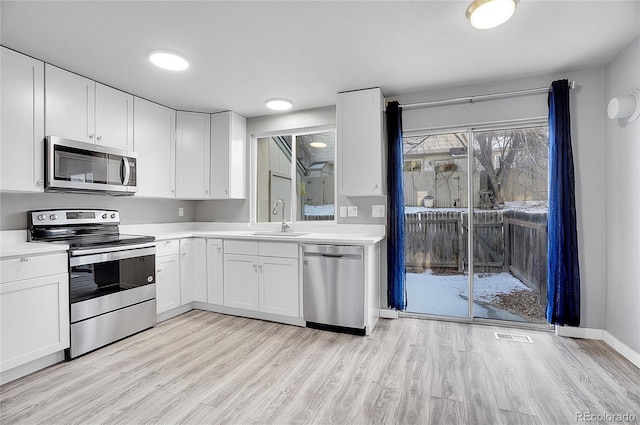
244, 52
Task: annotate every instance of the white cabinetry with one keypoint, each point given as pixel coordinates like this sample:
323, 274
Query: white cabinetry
228, 161
262, 276
193, 149
155, 143
360, 142
22, 126
193, 270
215, 274
34, 308
167, 275
80, 109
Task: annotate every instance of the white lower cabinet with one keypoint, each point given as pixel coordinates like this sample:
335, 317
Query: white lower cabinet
262, 276
167, 275
215, 273
34, 308
193, 270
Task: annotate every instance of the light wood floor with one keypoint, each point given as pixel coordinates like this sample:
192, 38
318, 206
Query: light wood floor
204, 367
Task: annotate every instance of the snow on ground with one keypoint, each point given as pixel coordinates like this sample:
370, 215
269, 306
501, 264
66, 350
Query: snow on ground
319, 209
447, 295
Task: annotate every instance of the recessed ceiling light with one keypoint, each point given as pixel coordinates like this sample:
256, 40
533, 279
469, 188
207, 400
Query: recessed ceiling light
318, 145
484, 14
279, 104
169, 60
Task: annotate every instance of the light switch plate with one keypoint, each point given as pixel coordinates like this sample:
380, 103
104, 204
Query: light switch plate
377, 211
343, 211
180, 212
352, 211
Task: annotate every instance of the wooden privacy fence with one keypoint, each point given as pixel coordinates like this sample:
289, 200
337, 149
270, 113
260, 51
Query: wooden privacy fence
504, 240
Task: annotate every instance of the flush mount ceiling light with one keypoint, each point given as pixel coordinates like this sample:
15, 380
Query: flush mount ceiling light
484, 14
279, 104
318, 145
169, 60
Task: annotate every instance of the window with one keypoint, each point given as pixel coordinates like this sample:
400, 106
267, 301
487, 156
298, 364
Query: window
306, 185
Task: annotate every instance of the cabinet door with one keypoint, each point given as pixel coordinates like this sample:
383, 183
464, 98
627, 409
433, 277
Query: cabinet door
359, 122
279, 286
69, 105
198, 264
167, 282
34, 319
186, 272
241, 281
113, 118
215, 274
228, 162
22, 123
154, 140
193, 155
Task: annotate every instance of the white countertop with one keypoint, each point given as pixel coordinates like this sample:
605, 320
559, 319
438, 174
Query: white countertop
14, 244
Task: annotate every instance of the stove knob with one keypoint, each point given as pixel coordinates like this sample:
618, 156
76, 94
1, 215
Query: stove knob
42, 217
53, 217
113, 215
104, 216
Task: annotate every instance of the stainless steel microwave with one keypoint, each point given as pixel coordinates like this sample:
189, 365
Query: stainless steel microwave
72, 166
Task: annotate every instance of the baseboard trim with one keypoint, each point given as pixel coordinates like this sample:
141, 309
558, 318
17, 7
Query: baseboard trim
600, 334
622, 348
386, 313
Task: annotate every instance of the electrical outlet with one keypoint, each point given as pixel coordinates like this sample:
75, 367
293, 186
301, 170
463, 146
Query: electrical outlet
343, 211
377, 211
180, 212
352, 211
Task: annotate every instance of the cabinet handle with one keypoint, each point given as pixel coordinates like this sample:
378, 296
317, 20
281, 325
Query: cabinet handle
99, 138
260, 268
255, 267
24, 259
39, 183
158, 270
219, 250
91, 137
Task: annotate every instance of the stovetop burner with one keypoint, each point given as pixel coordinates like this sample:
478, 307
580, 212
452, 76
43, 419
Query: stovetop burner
80, 229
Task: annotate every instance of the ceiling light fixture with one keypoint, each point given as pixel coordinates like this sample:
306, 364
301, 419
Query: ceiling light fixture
279, 104
169, 60
484, 14
318, 145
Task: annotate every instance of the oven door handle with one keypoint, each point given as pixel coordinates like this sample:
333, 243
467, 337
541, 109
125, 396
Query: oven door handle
103, 257
79, 252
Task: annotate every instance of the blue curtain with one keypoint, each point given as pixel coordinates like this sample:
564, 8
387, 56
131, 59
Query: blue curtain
396, 291
563, 287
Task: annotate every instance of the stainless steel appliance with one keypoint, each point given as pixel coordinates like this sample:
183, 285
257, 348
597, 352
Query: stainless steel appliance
72, 166
112, 291
333, 287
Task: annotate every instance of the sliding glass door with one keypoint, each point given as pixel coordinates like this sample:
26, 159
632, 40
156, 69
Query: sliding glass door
476, 223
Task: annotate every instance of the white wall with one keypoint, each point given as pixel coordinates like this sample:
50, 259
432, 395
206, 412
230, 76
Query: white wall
622, 76
587, 127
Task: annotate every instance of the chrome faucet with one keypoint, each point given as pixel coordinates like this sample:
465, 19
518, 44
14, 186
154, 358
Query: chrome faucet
284, 226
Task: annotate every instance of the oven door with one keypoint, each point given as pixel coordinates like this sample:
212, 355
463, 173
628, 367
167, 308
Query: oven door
107, 281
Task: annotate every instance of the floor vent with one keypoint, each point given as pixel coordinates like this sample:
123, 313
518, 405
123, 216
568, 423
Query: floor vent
512, 337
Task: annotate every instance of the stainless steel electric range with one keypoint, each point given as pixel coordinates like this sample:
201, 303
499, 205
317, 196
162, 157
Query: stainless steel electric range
112, 291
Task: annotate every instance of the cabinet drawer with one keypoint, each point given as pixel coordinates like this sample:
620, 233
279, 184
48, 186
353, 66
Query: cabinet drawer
278, 249
169, 247
240, 247
30, 266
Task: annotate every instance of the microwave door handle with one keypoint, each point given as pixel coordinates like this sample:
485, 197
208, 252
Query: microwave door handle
127, 171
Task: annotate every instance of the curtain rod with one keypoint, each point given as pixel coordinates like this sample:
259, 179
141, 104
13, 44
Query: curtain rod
471, 99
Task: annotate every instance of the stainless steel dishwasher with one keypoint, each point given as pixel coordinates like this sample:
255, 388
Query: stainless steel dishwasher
333, 287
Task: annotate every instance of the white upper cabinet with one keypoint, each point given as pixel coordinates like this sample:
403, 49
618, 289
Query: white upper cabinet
78, 108
228, 157
155, 143
114, 118
22, 123
193, 149
360, 142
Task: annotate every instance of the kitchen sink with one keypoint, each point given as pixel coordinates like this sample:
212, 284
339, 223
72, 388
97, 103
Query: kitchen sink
273, 233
